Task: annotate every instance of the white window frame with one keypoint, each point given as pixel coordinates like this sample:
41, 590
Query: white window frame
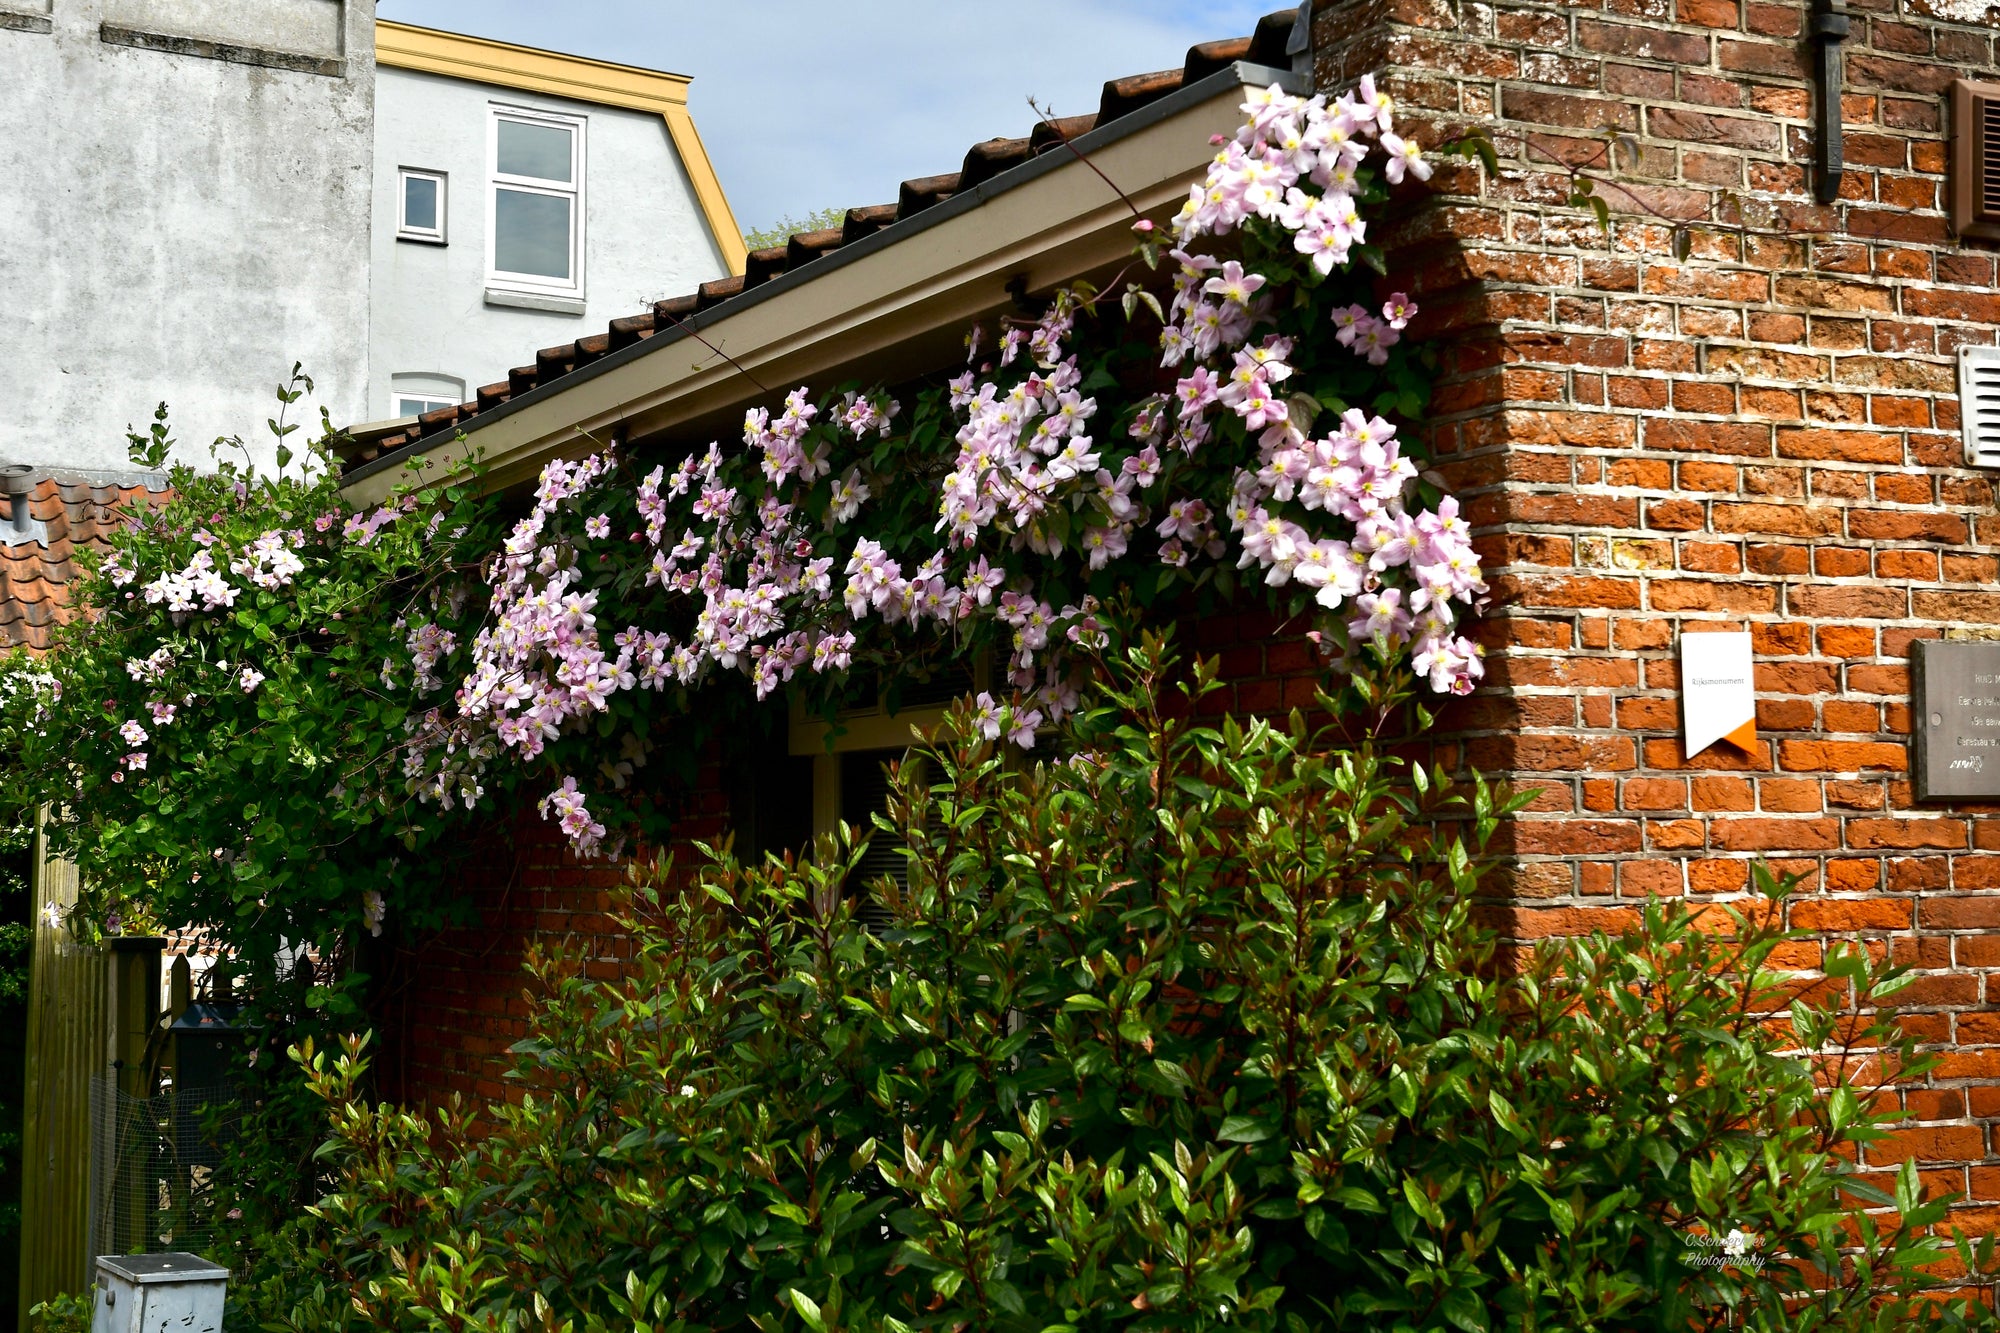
535, 284
424, 235
424, 386
397, 412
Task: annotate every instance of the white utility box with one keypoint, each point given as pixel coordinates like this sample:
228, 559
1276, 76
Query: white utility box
158, 1293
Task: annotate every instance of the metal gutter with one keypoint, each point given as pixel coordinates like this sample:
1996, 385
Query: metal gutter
990, 254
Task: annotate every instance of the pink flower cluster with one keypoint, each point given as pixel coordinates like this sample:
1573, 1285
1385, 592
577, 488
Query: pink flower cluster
271, 562
178, 589
1288, 140
1372, 337
773, 586
541, 662
362, 530
428, 644
1355, 473
151, 667
567, 805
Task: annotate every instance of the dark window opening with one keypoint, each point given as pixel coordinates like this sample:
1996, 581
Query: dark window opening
770, 795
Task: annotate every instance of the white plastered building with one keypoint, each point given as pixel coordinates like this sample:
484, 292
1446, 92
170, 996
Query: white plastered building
522, 198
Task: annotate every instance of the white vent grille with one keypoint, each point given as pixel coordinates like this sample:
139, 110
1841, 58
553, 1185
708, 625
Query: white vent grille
1979, 404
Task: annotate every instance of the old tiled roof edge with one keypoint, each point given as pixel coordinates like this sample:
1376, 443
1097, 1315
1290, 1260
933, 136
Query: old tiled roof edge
1125, 105
72, 510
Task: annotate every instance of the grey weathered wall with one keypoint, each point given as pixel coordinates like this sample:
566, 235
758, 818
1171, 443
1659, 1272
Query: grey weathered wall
184, 196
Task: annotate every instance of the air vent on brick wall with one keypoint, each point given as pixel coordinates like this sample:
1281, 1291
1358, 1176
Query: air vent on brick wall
1975, 158
1979, 404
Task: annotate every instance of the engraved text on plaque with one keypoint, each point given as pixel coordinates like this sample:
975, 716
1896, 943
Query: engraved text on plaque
1955, 693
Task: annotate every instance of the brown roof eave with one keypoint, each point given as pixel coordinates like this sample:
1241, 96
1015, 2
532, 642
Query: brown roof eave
719, 300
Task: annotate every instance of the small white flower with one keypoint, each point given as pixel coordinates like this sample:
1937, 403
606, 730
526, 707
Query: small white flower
53, 915
250, 679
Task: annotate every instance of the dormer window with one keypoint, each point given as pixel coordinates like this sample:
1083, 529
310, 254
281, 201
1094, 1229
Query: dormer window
535, 195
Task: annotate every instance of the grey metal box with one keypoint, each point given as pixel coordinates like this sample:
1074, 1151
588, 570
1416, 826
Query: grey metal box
1955, 719
158, 1293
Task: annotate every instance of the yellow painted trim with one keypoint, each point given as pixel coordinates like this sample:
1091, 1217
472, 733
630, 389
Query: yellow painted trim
708, 189
405, 46
527, 69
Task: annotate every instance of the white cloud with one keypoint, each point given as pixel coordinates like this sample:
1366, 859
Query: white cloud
803, 105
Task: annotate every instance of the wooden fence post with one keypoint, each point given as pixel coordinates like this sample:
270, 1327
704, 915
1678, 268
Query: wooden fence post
66, 1046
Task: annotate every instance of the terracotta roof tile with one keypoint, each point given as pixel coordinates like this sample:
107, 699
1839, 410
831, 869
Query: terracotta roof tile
1051, 133
675, 307
983, 161
715, 293
761, 266
866, 221
1209, 57
630, 329
35, 575
806, 246
925, 191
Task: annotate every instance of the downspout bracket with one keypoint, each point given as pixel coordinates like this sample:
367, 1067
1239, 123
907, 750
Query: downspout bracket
1827, 30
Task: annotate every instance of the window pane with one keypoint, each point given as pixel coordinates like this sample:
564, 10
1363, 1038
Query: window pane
541, 151
416, 407
531, 233
420, 203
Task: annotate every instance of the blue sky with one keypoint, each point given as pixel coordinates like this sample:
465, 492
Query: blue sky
806, 103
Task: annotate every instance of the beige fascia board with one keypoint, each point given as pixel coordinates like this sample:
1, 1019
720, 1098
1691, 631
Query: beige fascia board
1045, 222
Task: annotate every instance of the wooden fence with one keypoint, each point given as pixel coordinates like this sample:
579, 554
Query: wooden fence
67, 1027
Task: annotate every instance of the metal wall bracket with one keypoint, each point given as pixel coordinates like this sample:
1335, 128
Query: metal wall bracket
1299, 46
1827, 31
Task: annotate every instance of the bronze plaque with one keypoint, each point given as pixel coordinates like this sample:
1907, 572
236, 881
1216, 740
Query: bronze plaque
1955, 693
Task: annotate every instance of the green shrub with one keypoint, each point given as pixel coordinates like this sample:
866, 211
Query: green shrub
62, 1314
1194, 1028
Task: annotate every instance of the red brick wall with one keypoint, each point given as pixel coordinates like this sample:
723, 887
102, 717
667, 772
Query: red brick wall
449, 1005
1763, 436
448, 1008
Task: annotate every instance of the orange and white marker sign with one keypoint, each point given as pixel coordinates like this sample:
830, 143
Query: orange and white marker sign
1718, 699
